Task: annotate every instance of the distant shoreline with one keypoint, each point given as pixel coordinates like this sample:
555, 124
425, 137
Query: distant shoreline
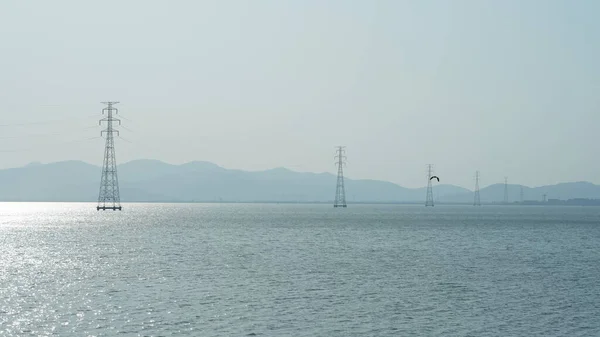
573, 202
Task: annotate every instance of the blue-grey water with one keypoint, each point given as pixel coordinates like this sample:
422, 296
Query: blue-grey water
298, 270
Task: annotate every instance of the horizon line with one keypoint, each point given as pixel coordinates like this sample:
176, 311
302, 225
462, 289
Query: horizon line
38, 163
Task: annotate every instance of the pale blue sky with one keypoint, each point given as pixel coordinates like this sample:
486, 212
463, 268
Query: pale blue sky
507, 87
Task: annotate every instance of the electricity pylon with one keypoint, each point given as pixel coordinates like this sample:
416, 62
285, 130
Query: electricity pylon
109, 197
429, 199
522, 195
506, 190
340, 192
477, 200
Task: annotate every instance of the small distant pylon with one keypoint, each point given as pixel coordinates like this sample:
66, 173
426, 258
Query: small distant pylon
477, 201
340, 191
429, 199
506, 190
522, 195
109, 198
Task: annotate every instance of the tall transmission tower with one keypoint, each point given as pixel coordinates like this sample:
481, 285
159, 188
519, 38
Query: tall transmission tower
506, 190
340, 191
109, 197
477, 199
429, 199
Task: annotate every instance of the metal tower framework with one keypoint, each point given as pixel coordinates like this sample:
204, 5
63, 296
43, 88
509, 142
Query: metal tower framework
477, 200
506, 190
109, 198
340, 191
522, 195
429, 199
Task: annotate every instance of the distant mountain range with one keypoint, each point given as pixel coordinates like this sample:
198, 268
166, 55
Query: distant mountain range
156, 181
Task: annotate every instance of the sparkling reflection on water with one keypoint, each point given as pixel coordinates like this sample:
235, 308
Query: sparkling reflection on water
298, 270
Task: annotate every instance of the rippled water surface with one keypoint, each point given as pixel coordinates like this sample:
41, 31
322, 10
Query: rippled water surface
298, 270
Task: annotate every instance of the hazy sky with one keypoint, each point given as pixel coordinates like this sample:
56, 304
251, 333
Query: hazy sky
511, 88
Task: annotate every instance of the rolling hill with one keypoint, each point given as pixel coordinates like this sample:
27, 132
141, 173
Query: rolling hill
156, 181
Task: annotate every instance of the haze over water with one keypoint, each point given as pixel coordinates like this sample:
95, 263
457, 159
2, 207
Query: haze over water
298, 270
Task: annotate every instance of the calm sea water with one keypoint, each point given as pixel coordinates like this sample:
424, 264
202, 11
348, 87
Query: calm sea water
298, 270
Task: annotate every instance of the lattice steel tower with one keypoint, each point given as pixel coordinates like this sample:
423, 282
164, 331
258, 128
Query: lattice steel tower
109, 183
522, 195
340, 191
429, 199
477, 200
506, 190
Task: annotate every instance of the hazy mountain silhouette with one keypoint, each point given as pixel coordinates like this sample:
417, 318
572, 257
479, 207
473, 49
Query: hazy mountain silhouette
495, 193
63, 181
153, 180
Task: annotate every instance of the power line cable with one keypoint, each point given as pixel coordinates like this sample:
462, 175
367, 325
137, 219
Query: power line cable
47, 121
50, 145
40, 135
